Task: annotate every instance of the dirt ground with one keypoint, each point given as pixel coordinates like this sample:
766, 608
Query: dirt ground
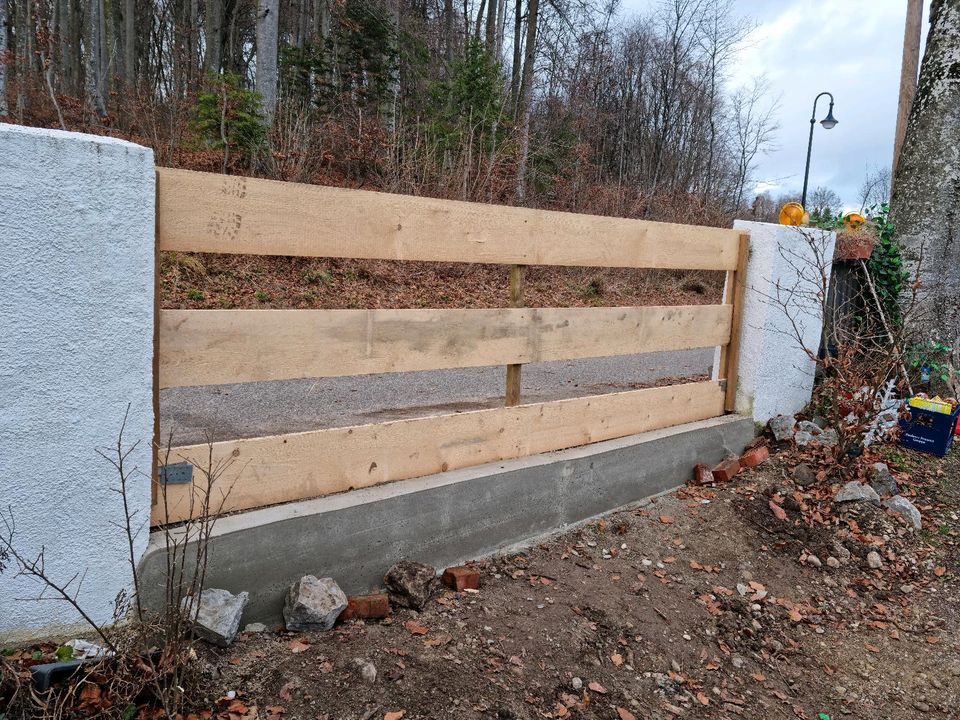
700, 604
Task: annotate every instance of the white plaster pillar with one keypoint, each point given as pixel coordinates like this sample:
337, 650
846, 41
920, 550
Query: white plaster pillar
775, 374
76, 347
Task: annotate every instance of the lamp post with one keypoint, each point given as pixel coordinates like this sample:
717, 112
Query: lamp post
828, 123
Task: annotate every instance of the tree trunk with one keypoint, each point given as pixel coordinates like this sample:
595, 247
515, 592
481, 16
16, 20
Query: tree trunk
491, 29
908, 73
926, 189
517, 50
94, 67
3, 66
129, 42
524, 106
268, 15
212, 36
448, 31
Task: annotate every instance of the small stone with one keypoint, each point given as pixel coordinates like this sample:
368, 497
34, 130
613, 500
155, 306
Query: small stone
675, 666
874, 560
840, 550
313, 604
804, 476
737, 662
828, 438
367, 670
803, 438
782, 426
576, 683
809, 427
218, 615
906, 589
833, 562
899, 505
255, 628
882, 480
856, 492
410, 584
814, 560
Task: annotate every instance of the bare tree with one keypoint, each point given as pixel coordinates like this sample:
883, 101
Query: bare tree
875, 188
3, 58
925, 187
268, 19
754, 131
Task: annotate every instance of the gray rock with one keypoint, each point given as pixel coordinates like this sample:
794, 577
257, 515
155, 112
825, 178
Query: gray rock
874, 560
410, 584
899, 505
814, 560
828, 438
217, 615
855, 492
882, 481
804, 475
255, 628
803, 438
367, 670
810, 427
841, 551
833, 562
313, 604
576, 683
782, 426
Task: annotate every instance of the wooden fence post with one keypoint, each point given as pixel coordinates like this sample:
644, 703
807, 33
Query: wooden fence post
730, 360
516, 300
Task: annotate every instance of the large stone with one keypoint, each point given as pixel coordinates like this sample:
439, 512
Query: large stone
899, 505
217, 616
882, 480
313, 604
782, 427
854, 491
829, 438
410, 584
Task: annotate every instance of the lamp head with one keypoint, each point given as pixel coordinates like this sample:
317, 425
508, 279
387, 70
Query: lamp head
829, 122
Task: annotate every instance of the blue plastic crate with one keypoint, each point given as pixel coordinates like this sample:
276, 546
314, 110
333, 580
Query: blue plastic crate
928, 431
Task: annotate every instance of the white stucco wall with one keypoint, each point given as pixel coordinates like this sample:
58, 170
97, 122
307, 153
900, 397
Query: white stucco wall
76, 346
775, 373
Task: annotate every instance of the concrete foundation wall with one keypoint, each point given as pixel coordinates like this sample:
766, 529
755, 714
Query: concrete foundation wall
776, 371
76, 347
442, 519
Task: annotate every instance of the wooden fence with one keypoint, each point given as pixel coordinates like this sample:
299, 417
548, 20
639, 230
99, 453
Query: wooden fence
201, 212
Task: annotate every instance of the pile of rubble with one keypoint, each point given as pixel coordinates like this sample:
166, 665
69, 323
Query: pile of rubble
317, 604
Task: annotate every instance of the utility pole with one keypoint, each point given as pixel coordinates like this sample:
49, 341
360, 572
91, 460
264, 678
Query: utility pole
908, 75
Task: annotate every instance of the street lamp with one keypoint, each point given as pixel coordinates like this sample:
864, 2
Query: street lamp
829, 122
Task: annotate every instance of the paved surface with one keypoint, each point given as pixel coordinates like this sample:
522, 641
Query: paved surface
225, 412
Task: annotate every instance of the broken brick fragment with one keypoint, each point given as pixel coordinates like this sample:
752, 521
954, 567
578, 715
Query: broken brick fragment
366, 607
754, 456
460, 578
702, 475
725, 471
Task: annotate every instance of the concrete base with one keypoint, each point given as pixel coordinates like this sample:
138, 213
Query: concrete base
443, 519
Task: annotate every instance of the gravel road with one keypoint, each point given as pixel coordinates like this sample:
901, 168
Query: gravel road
225, 412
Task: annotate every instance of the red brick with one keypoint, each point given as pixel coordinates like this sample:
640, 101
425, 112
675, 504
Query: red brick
702, 475
366, 607
725, 471
754, 456
460, 578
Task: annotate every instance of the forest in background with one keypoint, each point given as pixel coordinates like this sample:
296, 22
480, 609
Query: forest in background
563, 104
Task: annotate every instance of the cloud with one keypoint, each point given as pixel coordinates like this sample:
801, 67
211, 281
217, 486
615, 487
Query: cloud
851, 48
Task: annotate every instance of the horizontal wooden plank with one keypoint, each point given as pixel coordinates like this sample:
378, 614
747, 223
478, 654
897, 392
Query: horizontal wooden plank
282, 468
210, 347
206, 212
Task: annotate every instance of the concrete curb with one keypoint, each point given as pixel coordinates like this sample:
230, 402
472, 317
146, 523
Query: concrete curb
443, 519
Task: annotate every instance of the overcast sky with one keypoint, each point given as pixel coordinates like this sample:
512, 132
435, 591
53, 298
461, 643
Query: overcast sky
851, 48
